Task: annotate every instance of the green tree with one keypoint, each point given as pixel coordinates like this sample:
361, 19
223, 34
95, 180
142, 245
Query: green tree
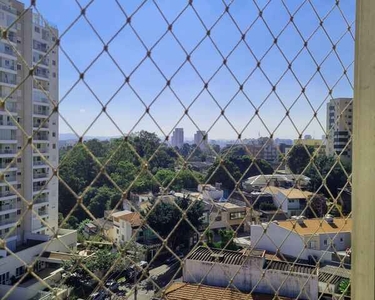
299, 157
344, 287
227, 241
166, 216
335, 180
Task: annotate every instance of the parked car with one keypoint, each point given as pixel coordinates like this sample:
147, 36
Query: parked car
112, 285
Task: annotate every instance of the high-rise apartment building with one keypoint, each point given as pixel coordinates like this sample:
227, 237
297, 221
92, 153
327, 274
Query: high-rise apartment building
201, 139
30, 102
178, 138
339, 127
28, 139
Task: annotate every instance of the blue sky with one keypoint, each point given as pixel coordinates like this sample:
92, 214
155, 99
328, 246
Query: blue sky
80, 108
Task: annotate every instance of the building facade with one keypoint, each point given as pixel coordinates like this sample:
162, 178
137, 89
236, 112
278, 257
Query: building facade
29, 99
339, 127
178, 138
201, 139
30, 103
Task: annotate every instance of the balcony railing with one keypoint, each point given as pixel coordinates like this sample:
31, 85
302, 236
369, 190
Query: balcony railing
8, 221
12, 137
6, 194
40, 175
39, 163
37, 125
41, 200
37, 188
7, 207
41, 150
8, 151
40, 137
11, 178
10, 66
8, 8
7, 123
5, 165
43, 112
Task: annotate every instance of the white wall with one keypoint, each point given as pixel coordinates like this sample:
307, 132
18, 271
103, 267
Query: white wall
246, 277
10, 263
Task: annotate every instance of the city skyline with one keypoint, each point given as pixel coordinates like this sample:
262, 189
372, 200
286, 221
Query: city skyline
80, 108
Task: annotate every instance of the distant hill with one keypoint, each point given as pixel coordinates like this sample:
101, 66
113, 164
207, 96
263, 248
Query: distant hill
73, 137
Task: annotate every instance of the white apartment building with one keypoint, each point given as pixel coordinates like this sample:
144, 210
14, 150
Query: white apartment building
339, 127
178, 138
28, 103
201, 139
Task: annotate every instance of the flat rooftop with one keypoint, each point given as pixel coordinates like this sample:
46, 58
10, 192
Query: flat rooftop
223, 256
188, 291
317, 226
290, 267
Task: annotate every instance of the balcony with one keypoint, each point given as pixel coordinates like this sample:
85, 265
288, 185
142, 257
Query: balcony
41, 150
41, 110
41, 72
7, 123
10, 179
8, 152
8, 8
7, 194
8, 165
36, 125
42, 47
41, 200
8, 221
8, 64
10, 106
4, 208
41, 137
40, 163
8, 78
39, 187
40, 175
42, 212
7, 49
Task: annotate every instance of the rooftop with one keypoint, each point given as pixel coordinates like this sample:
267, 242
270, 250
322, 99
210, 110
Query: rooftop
289, 267
292, 193
228, 205
317, 226
188, 291
133, 218
222, 256
333, 275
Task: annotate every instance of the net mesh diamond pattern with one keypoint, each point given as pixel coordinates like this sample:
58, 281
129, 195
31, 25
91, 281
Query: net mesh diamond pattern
262, 210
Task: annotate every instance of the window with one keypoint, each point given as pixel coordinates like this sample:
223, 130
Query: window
7, 217
4, 278
37, 29
54, 75
20, 271
237, 215
6, 230
341, 240
54, 134
19, 67
53, 63
53, 146
18, 212
218, 219
118, 231
325, 242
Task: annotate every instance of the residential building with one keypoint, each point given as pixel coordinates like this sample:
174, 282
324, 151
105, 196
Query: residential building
31, 105
264, 148
201, 139
30, 98
317, 144
339, 127
226, 215
250, 271
291, 201
305, 239
189, 291
178, 138
210, 192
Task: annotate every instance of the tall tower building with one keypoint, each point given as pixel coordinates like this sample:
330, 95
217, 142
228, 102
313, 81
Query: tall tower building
30, 103
339, 127
200, 140
178, 138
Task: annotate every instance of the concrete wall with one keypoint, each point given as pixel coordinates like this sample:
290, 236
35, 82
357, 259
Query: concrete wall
10, 263
293, 285
246, 277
